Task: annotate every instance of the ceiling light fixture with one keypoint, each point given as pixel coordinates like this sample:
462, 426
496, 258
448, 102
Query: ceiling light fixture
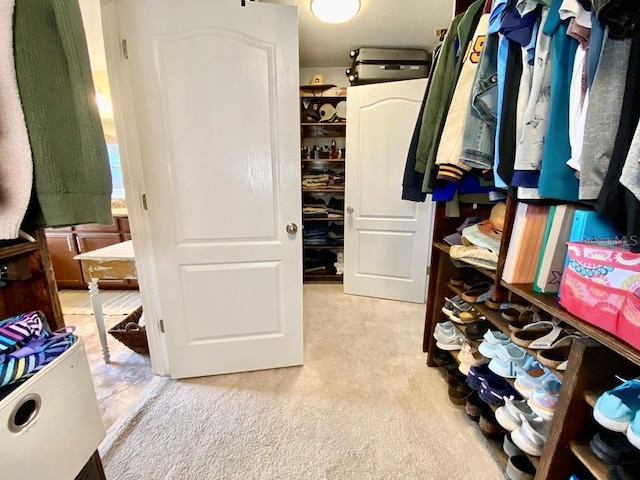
335, 11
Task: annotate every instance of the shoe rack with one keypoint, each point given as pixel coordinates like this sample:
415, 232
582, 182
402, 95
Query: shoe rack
593, 363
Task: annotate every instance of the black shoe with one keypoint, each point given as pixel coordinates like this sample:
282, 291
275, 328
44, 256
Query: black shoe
520, 467
625, 471
476, 330
445, 360
613, 448
474, 407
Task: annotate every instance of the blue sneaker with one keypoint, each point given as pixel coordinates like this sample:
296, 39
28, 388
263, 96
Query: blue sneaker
477, 374
491, 340
530, 376
633, 432
616, 409
494, 389
507, 357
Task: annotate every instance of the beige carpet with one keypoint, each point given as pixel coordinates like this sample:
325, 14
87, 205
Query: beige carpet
364, 406
114, 302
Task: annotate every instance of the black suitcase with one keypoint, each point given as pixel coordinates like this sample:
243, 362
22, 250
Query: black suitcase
375, 65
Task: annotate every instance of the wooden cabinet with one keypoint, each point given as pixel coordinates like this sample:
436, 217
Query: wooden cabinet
62, 248
323, 134
65, 243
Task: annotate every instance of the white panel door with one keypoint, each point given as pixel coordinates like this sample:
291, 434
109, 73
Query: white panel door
387, 239
214, 87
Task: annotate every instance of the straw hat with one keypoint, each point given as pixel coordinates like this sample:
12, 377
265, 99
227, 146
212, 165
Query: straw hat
317, 83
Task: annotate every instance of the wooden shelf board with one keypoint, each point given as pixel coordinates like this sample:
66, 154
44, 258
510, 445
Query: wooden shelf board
550, 304
19, 249
323, 247
323, 124
323, 190
313, 160
495, 317
322, 276
591, 398
311, 219
596, 466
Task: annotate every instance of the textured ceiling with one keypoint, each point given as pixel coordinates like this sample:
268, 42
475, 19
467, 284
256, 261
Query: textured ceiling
380, 23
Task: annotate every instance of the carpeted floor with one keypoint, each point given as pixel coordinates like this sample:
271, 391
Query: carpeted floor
364, 406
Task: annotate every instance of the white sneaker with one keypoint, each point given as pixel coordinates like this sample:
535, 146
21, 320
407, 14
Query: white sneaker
449, 340
469, 357
509, 416
531, 436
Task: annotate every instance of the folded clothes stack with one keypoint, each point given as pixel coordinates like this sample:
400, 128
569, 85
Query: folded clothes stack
323, 179
321, 234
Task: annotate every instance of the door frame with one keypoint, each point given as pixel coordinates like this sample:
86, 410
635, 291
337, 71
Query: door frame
131, 162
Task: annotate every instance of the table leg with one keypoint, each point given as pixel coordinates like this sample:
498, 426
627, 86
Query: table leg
96, 302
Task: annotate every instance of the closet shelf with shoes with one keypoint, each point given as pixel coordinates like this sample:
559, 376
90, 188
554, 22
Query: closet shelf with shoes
323, 137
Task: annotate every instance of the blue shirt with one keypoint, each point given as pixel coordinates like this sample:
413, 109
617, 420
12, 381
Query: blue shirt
557, 179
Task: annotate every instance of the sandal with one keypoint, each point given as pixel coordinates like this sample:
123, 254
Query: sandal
479, 293
558, 355
528, 317
538, 335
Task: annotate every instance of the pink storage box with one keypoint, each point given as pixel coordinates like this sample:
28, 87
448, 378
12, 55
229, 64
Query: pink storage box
601, 285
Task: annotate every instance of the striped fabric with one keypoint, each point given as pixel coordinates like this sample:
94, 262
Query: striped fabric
18, 330
33, 357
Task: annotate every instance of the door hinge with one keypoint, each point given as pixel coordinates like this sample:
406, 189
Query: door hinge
161, 324
428, 271
144, 201
125, 50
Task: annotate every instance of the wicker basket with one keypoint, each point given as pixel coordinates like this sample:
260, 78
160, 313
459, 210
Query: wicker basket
128, 332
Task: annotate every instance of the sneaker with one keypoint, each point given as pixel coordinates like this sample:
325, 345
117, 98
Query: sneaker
529, 376
507, 357
633, 432
488, 425
615, 409
491, 340
469, 357
449, 340
450, 304
508, 446
477, 374
531, 436
612, 447
625, 471
474, 406
510, 415
519, 467
493, 390
444, 360
544, 398
443, 328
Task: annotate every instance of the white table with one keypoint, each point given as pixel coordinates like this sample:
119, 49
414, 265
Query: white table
115, 262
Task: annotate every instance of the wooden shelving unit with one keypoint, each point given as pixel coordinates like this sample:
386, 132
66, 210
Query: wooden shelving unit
321, 134
593, 362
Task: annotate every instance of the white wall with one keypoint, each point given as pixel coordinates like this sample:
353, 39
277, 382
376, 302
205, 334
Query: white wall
334, 75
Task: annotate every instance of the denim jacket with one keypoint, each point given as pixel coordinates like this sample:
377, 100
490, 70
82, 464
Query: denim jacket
478, 139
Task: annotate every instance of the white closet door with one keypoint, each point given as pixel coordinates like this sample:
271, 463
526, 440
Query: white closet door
387, 239
215, 92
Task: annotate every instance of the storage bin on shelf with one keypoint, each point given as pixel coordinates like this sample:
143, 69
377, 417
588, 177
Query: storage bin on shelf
601, 285
129, 332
